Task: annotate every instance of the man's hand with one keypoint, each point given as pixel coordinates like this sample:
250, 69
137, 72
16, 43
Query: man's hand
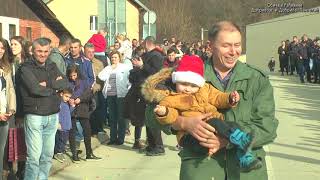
43, 83
202, 131
137, 62
214, 143
134, 62
196, 126
160, 110
77, 101
59, 78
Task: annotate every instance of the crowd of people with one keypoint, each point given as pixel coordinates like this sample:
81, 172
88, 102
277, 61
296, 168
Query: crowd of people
54, 95
72, 97
302, 56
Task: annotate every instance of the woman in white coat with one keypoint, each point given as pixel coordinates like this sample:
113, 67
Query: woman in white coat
7, 98
116, 86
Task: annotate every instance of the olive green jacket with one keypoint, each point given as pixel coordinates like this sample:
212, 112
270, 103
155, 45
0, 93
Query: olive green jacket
255, 112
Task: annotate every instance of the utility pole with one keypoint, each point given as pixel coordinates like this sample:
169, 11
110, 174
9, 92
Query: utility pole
202, 31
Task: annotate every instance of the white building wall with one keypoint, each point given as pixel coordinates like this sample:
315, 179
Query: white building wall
6, 21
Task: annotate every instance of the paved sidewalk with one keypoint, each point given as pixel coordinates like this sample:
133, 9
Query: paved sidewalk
95, 142
295, 154
123, 163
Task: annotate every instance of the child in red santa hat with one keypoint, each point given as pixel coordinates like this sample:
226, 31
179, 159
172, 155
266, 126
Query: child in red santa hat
191, 96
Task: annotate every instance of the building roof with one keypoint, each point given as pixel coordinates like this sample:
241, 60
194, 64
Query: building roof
47, 17
140, 5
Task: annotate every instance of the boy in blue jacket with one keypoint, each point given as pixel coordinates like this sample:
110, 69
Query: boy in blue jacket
64, 125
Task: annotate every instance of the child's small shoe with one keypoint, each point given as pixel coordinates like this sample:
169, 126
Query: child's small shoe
247, 161
241, 139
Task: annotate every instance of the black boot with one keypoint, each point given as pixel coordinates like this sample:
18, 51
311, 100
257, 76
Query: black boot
91, 156
137, 144
75, 157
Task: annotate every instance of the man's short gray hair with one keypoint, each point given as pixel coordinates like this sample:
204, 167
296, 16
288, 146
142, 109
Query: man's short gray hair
88, 45
43, 41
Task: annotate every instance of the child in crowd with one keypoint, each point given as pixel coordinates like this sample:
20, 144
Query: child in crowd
80, 100
188, 95
64, 125
272, 64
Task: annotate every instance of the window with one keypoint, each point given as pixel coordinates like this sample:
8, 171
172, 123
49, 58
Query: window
94, 23
121, 16
12, 30
29, 33
0, 30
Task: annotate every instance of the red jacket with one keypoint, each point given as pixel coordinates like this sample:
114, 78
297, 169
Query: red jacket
99, 42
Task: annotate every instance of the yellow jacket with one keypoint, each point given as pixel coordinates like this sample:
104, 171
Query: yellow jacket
207, 100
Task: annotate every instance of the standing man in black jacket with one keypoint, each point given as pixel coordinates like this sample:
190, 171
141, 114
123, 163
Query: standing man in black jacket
303, 62
152, 62
293, 52
39, 80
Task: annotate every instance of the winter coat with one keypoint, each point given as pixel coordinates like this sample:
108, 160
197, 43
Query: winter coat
254, 112
84, 93
57, 57
7, 95
37, 99
85, 67
134, 103
122, 79
65, 116
282, 51
293, 49
152, 62
97, 66
207, 100
134, 107
99, 42
303, 52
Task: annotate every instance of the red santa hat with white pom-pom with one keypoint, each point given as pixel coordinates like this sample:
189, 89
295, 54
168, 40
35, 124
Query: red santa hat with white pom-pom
191, 70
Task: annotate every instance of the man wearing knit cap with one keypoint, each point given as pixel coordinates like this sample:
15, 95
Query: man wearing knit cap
191, 96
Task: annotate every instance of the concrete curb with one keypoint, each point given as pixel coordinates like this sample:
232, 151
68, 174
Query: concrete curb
95, 143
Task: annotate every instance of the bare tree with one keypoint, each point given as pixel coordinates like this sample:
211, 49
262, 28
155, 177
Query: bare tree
184, 18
